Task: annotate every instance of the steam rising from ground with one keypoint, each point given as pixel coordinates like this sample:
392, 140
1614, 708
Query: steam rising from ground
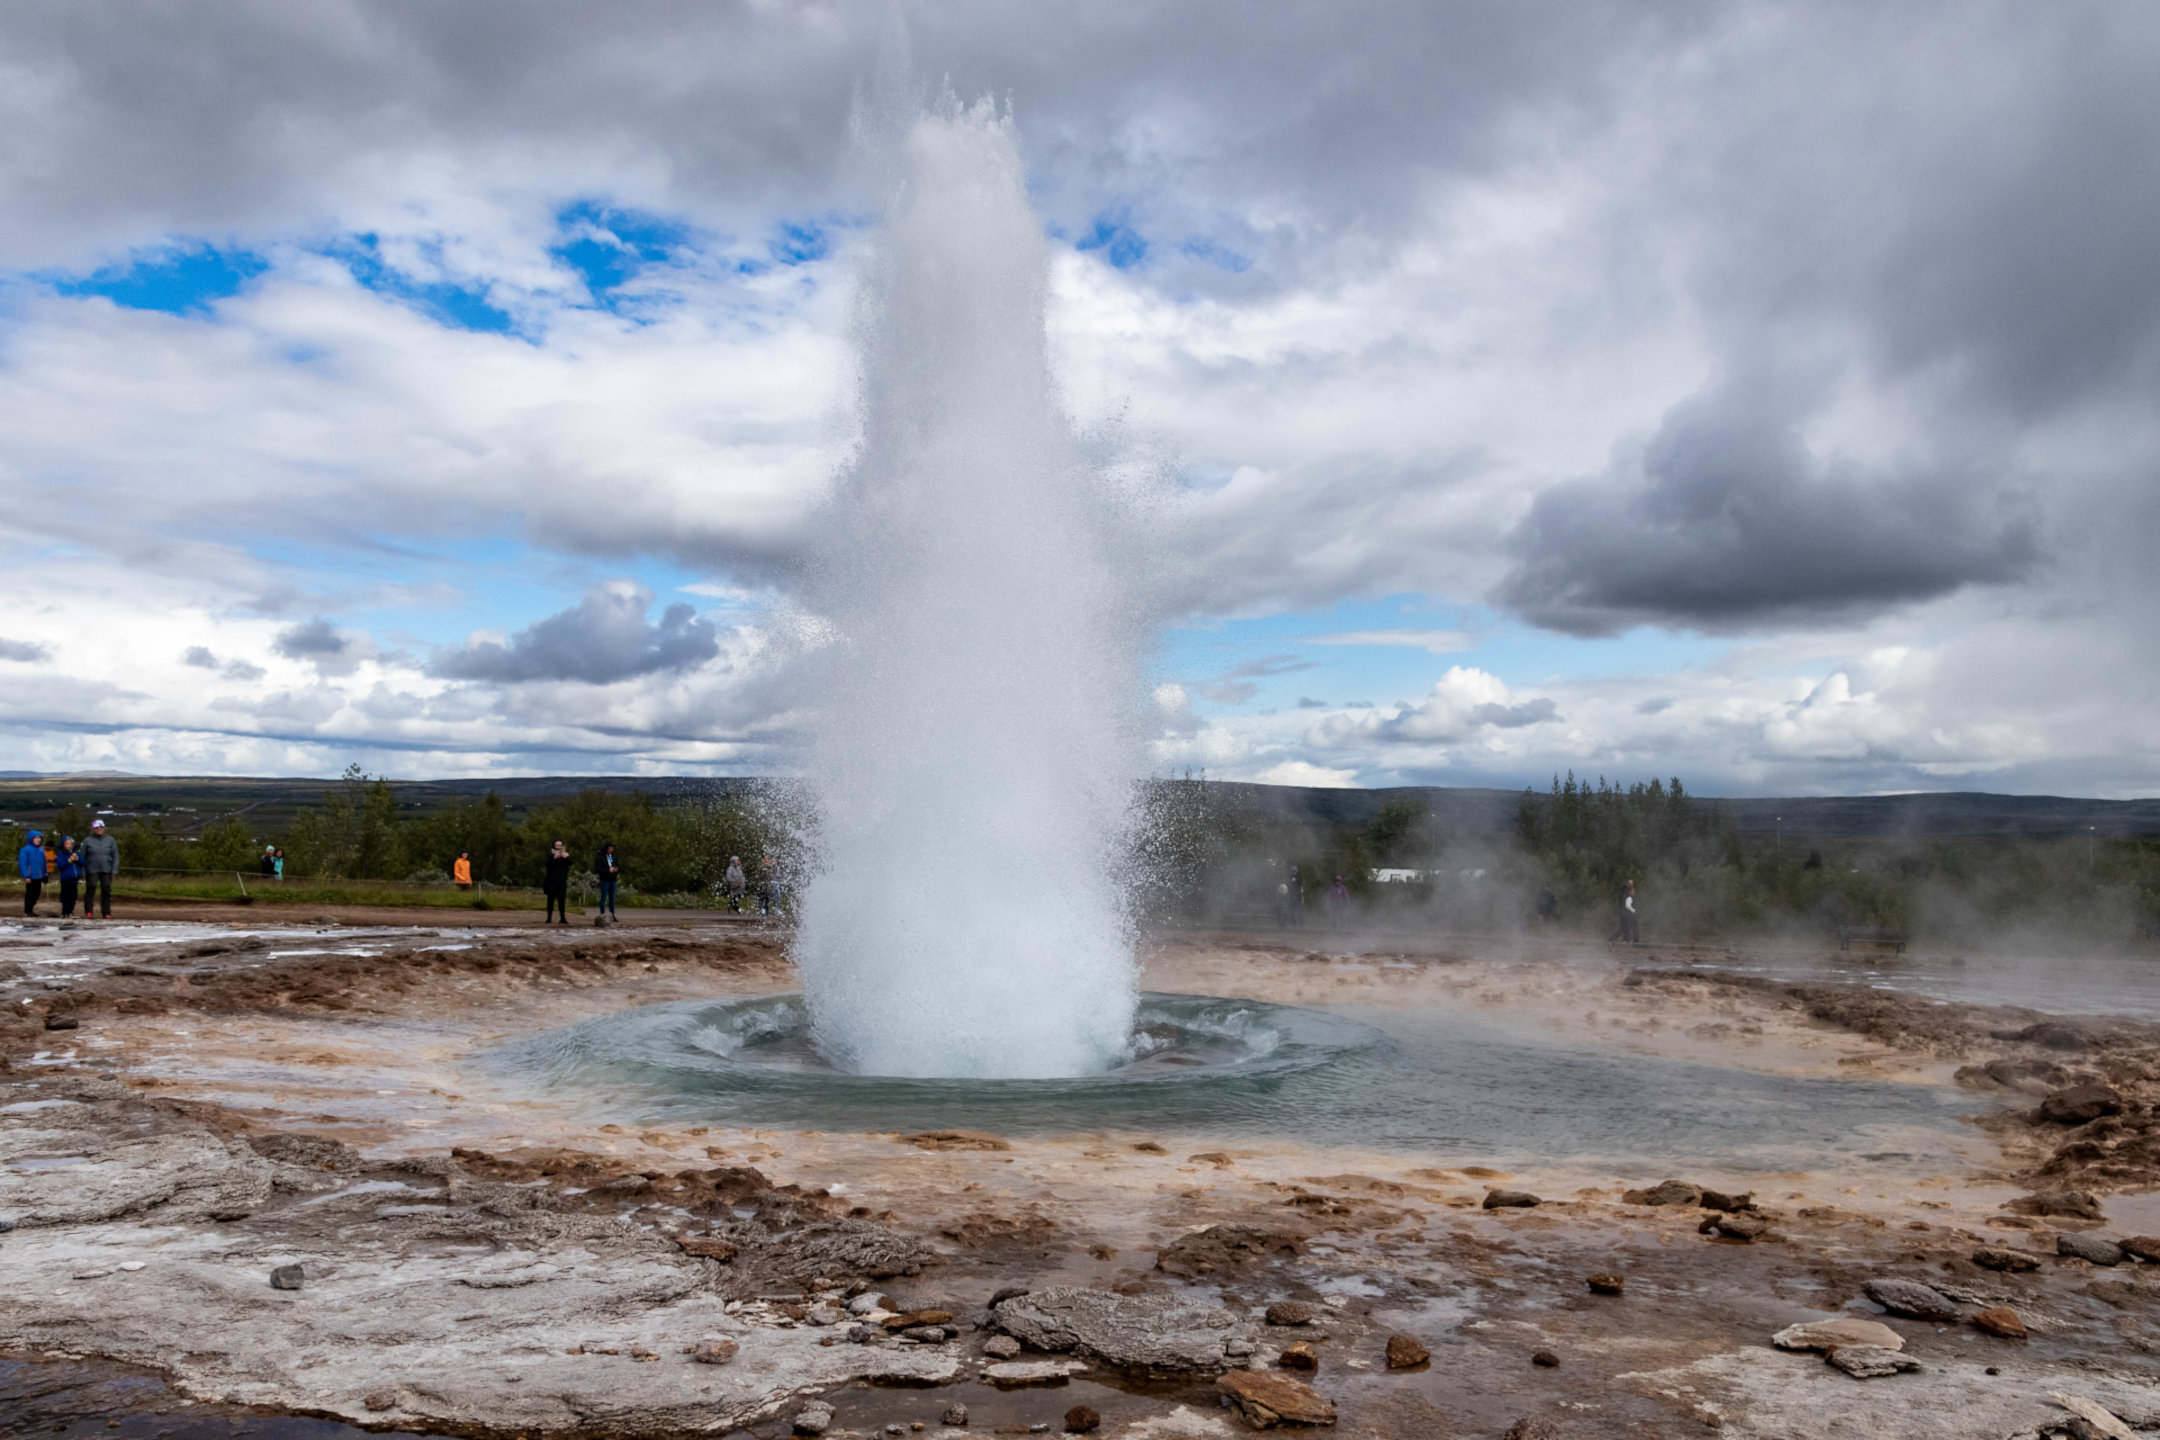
972, 767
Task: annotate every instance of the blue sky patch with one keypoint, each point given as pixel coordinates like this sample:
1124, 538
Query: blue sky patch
1112, 233
799, 242
464, 307
179, 279
607, 246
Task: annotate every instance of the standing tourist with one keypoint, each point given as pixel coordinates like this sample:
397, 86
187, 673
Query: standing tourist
1630, 932
268, 865
555, 884
768, 883
30, 864
609, 869
280, 864
736, 882
1297, 898
461, 870
70, 875
100, 862
1338, 903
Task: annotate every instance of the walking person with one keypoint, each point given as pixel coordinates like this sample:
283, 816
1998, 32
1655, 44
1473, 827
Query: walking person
1630, 931
609, 868
100, 862
70, 875
30, 864
461, 870
555, 883
736, 883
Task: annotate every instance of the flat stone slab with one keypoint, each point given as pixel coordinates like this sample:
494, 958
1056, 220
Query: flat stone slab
1008, 1373
1145, 1332
1830, 1334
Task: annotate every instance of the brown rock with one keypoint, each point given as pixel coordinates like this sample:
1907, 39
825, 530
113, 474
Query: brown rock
1149, 1147
914, 1318
2080, 1104
2145, 1247
2001, 1321
2068, 1204
1719, 1200
708, 1247
62, 1022
715, 1350
1988, 1257
1743, 1226
379, 1400
1001, 1347
1529, 1428
1403, 1352
1511, 1200
956, 1415
1266, 1398
1292, 1312
1080, 1420
1607, 1284
1544, 1359
1299, 1355
1216, 1158
955, 1140
1665, 1192
1221, 1249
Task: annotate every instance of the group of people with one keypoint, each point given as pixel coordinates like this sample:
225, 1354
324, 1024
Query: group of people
607, 869
272, 863
82, 869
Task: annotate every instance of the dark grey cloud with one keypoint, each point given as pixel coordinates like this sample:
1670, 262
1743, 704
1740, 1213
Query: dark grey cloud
200, 657
1726, 521
603, 638
23, 650
315, 639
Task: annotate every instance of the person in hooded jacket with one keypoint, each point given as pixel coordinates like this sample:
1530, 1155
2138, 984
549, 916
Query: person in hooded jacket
30, 864
736, 882
608, 867
70, 870
100, 862
555, 883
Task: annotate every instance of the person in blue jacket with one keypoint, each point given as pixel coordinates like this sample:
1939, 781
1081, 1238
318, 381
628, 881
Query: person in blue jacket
30, 864
71, 873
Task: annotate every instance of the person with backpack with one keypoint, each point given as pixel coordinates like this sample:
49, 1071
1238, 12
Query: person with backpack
30, 864
100, 862
555, 883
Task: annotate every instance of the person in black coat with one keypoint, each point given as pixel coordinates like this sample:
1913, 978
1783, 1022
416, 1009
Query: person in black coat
556, 883
608, 866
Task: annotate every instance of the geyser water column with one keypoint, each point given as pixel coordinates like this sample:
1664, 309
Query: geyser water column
971, 763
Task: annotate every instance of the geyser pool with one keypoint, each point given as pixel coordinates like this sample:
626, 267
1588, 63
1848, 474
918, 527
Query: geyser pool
1230, 1070
979, 666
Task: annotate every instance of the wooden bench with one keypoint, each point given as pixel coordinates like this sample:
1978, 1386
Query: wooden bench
1880, 937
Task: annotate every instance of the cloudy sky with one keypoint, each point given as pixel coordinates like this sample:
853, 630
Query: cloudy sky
1763, 393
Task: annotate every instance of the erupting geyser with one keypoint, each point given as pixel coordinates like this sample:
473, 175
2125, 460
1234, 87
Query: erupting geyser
972, 764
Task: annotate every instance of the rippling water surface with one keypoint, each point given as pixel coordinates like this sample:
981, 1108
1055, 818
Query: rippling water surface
1413, 1081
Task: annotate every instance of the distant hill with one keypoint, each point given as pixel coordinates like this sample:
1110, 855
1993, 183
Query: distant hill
187, 803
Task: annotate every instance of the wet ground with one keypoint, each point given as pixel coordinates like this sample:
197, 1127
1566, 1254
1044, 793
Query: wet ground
488, 1247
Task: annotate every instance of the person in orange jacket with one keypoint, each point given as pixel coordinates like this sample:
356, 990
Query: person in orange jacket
461, 872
